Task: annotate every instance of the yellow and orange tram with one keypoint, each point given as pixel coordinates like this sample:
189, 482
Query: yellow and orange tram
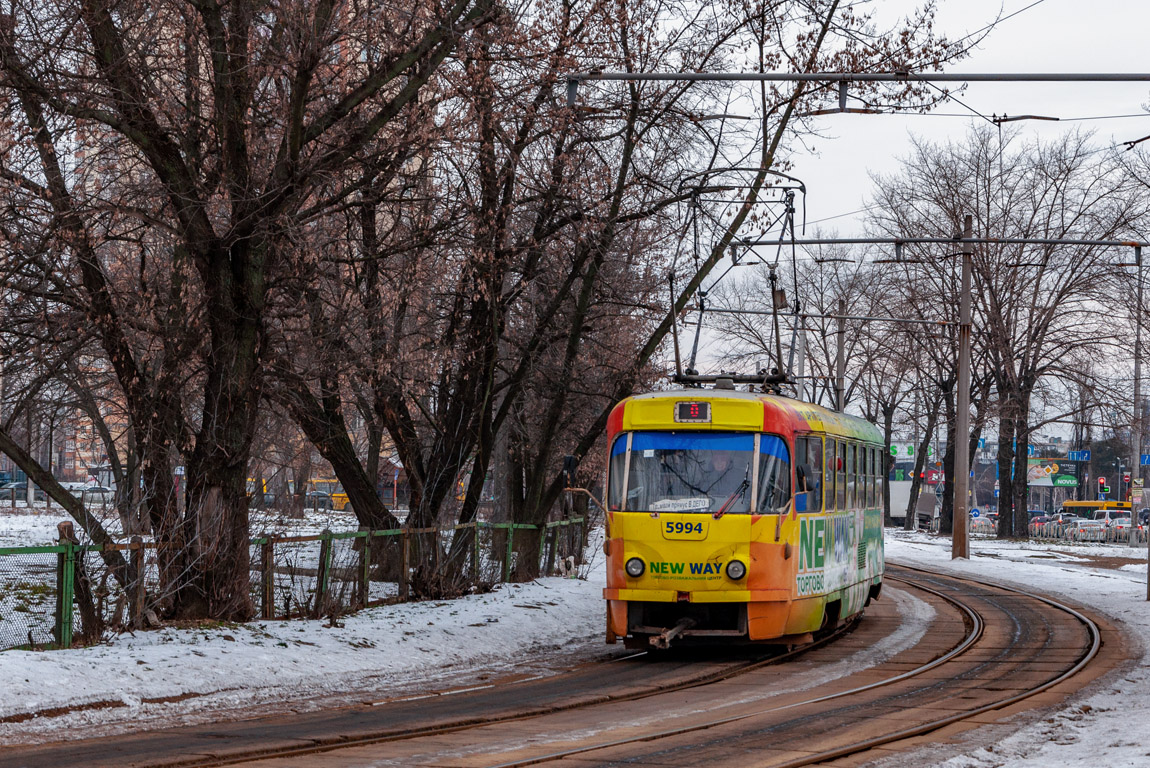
739, 515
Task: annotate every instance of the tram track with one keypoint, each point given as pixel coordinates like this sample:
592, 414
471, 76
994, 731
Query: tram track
239, 756
856, 747
778, 721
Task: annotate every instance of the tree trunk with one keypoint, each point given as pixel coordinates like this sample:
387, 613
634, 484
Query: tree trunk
946, 514
919, 463
1021, 517
1006, 436
887, 431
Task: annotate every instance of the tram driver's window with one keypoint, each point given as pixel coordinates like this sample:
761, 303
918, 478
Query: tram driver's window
774, 476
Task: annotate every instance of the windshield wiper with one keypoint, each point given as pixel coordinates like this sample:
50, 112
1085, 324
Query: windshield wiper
735, 494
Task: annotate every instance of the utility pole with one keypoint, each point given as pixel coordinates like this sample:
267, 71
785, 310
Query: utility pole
1136, 457
840, 358
960, 544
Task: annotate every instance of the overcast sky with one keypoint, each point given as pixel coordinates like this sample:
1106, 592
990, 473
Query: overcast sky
1051, 36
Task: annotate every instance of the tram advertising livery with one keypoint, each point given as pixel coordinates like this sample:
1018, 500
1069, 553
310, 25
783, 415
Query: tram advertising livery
740, 516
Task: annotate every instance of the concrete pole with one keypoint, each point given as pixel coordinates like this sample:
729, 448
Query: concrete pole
840, 358
960, 545
1136, 457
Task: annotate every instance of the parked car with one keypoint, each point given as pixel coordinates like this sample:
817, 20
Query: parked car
20, 489
1116, 521
96, 494
1086, 530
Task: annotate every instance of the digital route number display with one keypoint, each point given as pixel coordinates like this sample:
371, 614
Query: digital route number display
693, 413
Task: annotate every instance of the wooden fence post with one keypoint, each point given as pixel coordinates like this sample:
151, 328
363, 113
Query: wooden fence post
364, 570
510, 546
136, 553
404, 565
322, 575
267, 578
475, 555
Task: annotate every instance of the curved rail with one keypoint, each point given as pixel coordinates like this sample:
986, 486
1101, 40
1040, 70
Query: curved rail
975, 626
976, 623
934, 725
478, 722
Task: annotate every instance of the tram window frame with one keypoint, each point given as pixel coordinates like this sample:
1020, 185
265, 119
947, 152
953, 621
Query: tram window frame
841, 477
882, 467
877, 467
809, 454
780, 493
870, 477
830, 474
815, 462
852, 475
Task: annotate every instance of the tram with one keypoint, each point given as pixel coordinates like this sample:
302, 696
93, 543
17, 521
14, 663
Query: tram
739, 516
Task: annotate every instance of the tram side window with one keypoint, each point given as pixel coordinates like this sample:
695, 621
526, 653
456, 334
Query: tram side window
815, 462
809, 452
876, 473
869, 451
830, 483
841, 479
869, 476
774, 475
852, 481
880, 470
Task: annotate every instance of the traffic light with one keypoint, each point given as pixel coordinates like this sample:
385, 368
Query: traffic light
1103, 488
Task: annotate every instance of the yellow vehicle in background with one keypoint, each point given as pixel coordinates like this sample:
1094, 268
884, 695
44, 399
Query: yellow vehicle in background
333, 489
1086, 509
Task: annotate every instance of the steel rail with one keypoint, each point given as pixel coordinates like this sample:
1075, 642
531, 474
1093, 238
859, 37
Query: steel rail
868, 744
973, 620
337, 742
934, 725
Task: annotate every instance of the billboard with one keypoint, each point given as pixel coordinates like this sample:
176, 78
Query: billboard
1051, 473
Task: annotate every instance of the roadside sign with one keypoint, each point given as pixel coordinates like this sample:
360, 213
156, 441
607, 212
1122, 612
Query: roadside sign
982, 442
996, 493
179, 472
1145, 460
1138, 482
1136, 496
1078, 455
974, 512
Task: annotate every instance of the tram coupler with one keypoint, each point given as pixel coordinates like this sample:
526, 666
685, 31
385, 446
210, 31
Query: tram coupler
663, 641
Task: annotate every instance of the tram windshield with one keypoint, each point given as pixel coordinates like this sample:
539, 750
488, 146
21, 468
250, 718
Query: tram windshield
698, 472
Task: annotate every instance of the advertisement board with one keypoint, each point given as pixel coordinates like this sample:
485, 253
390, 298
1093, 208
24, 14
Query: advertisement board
1051, 473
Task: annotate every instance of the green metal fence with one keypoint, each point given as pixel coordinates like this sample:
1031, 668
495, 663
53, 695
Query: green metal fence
47, 592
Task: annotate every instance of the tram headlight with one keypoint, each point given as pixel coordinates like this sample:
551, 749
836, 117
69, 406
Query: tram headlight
635, 567
736, 570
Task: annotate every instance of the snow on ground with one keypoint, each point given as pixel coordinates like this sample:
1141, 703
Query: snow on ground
173, 675
1105, 726
25, 528
241, 667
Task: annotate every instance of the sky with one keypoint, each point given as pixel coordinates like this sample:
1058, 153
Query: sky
1050, 36
1053, 36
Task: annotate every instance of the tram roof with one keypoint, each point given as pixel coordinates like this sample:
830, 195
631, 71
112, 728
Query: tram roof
647, 411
